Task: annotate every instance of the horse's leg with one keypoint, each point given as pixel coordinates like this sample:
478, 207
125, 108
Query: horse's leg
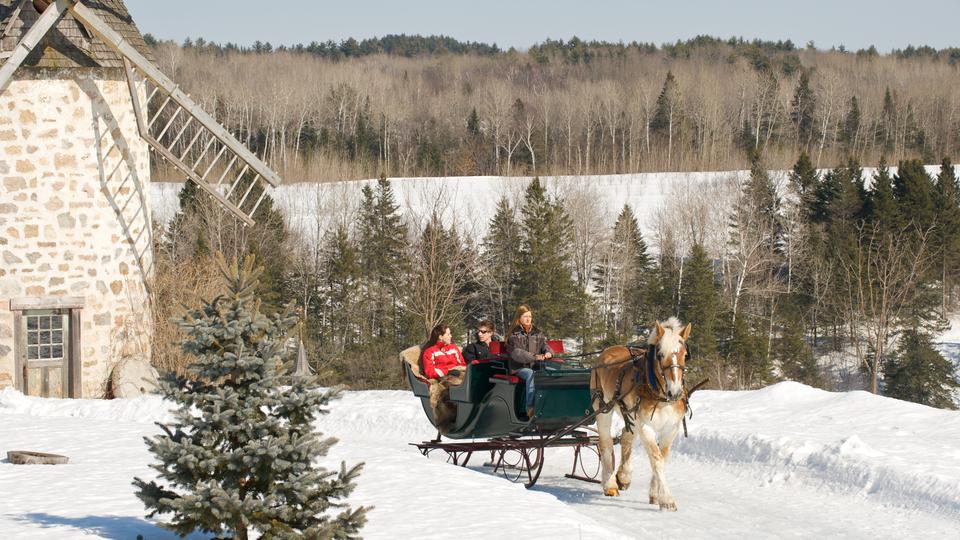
625, 471
606, 455
665, 444
662, 494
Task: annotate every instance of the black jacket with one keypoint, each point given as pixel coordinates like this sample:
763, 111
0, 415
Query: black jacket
477, 350
523, 346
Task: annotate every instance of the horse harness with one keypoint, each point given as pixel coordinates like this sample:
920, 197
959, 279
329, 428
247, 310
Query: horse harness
649, 381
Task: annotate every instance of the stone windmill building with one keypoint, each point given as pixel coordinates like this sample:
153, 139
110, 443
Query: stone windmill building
81, 109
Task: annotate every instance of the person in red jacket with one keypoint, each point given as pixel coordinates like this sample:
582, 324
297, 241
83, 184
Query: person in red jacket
441, 356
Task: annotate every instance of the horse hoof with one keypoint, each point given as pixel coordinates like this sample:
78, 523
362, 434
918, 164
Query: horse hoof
612, 492
654, 500
623, 486
668, 507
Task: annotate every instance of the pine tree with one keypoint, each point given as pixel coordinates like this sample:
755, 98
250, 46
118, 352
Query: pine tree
666, 113
888, 122
805, 179
947, 233
501, 256
881, 206
381, 242
851, 124
239, 456
700, 304
802, 109
341, 275
545, 278
473, 123
796, 358
913, 191
920, 374
622, 280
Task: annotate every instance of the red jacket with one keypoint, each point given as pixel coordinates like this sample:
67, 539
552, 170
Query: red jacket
439, 359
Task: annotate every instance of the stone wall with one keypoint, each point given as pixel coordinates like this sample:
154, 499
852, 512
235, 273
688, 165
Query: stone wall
74, 213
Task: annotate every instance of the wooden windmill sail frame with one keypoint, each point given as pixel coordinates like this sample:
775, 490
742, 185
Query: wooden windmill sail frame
174, 127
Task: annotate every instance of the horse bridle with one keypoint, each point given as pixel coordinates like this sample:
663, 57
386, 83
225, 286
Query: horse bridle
663, 372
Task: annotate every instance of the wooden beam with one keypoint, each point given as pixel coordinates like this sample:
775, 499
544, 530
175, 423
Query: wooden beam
75, 363
46, 302
116, 42
48, 20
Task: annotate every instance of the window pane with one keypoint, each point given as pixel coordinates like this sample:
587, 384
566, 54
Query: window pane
32, 323
44, 323
44, 352
57, 336
33, 338
57, 351
44, 338
57, 322
33, 353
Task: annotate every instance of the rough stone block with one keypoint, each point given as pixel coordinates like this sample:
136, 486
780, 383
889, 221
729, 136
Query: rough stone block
36, 290
62, 161
10, 258
31, 231
15, 183
25, 166
116, 287
66, 221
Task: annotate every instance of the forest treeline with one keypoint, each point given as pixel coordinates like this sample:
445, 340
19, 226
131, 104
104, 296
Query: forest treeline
433, 106
821, 277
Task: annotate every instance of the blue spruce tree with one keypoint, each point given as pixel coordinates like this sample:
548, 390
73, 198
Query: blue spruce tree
239, 458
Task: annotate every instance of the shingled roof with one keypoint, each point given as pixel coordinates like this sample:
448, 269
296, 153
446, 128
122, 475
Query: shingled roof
69, 44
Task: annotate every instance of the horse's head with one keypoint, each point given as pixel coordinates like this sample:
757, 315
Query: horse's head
671, 341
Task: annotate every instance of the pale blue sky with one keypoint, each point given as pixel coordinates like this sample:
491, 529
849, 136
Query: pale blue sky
520, 23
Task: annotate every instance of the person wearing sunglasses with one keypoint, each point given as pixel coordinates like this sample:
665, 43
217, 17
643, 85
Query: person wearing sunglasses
480, 349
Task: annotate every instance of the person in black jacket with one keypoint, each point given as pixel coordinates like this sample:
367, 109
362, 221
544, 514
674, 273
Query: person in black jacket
526, 345
480, 349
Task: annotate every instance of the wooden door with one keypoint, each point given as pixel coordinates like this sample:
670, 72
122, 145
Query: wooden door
46, 353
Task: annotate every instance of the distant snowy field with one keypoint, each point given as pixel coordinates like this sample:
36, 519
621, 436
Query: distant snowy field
470, 201
784, 461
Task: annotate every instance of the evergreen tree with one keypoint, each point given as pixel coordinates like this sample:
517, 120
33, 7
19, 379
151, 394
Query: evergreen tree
622, 280
665, 109
805, 180
545, 278
881, 206
888, 122
501, 259
473, 123
920, 374
700, 303
802, 109
796, 358
341, 275
947, 233
913, 191
239, 456
382, 242
851, 123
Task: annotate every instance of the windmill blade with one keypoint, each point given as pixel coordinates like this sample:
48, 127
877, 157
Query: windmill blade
29, 42
179, 131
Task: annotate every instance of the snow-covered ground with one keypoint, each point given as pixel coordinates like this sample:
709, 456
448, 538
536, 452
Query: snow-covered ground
784, 461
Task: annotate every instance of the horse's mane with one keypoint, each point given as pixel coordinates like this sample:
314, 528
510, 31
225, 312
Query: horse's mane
673, 324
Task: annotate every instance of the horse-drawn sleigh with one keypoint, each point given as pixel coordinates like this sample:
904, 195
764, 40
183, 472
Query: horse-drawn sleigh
488, 416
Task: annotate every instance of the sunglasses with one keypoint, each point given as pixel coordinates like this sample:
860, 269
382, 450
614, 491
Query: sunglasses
484, 331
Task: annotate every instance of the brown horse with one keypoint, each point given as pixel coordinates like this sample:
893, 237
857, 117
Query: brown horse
651, 404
